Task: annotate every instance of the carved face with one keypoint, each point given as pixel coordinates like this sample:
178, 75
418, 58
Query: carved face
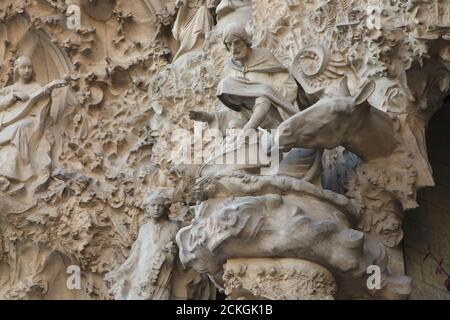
25, 71
156, 208
238, 48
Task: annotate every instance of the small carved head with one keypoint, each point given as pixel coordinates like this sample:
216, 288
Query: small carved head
156, 205
237, 41
23, 69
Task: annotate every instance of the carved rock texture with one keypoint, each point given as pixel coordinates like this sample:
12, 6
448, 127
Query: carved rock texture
286, 279
106, 91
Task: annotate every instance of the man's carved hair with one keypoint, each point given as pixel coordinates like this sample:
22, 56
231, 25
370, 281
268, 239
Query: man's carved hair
237, 30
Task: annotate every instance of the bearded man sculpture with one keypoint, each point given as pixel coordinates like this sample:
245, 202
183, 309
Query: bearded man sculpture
256, 84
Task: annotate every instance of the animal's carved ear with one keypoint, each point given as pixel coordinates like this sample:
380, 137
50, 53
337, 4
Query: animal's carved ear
365, 93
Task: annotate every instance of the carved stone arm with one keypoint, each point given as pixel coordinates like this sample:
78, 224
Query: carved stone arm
180, 3
366, 131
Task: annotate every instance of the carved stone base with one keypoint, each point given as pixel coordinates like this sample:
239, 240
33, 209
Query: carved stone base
278, 279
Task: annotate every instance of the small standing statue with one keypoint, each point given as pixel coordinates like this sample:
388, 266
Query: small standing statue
147, 273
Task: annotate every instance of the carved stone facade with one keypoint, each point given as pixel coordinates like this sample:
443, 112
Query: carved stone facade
267, 149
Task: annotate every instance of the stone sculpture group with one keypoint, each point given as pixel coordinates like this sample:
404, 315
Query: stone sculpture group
90, 172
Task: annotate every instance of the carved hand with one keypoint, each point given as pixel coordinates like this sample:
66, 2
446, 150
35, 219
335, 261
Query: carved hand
179, 3
212, 3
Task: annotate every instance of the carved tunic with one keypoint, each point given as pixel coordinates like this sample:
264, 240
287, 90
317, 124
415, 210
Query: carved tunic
147, 273
192, 22
227, 6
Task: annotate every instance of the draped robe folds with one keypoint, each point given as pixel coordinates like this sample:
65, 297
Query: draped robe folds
192, 22
264, 76
24, 150
227, 6
147, 273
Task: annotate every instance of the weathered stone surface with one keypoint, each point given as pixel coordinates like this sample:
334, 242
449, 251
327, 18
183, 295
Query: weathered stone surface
288, 132
287, 279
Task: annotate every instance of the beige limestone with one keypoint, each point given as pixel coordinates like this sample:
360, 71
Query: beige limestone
99, 101
287, 279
